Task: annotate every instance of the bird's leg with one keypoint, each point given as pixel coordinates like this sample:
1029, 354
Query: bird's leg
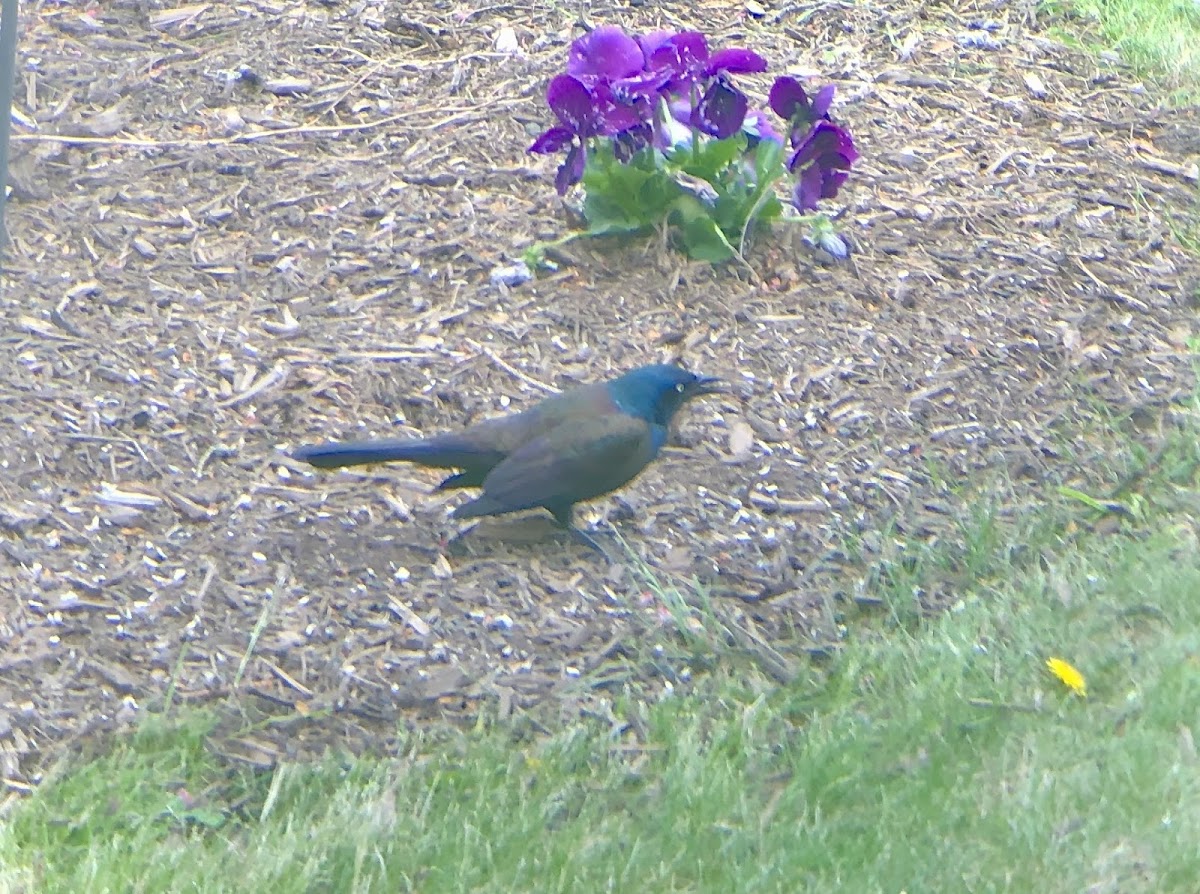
581, 536
564, 516
455, 539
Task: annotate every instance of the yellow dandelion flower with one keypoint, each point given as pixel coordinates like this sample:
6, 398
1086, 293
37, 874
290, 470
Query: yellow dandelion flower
1069, 675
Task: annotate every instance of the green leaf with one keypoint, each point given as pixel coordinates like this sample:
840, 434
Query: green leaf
534, 256
701, 237
711, 159
1112, 507
749, 200
605, 214
768, 163
625, 198
651, 189
762, 203
204, 816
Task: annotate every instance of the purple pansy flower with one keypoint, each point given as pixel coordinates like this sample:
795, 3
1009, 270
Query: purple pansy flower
789, 100
685, 54
825, 141
685, 57
721, 110
824, 152
633, 90
825, 155
583, 113
605, 52
609, 55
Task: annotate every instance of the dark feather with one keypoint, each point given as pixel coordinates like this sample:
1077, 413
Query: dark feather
567, 465
441, 452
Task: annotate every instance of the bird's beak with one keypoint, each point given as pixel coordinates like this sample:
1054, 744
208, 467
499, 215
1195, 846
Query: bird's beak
705, 385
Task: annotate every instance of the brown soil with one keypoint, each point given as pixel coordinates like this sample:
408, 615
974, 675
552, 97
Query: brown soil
205, 273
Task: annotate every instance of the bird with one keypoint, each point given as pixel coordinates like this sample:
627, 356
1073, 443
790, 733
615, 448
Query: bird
569, 448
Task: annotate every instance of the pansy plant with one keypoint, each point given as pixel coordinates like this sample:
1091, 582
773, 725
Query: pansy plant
655, 130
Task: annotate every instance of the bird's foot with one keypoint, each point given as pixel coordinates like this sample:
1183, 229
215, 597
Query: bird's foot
583, 537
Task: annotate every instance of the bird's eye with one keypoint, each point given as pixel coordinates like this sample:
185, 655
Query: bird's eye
679, 387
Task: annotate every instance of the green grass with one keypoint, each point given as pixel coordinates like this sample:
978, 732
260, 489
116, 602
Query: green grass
1160, 39
945, 760
938, 755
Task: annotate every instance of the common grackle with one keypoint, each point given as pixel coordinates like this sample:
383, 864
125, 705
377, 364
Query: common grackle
568, 448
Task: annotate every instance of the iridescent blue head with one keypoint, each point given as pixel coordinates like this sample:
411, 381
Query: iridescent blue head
656, 392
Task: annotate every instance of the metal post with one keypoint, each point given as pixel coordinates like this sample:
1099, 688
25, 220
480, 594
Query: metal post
8, 63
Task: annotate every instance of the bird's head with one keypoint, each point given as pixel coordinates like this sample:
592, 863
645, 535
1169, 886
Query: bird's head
656, 392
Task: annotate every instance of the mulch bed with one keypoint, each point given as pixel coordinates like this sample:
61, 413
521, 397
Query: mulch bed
238, 227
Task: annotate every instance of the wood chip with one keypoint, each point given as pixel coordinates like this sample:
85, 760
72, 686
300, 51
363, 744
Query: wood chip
114, 496
1188, 171
788, 507
180, 15
272, 379
411, 618
288, 86
741, 440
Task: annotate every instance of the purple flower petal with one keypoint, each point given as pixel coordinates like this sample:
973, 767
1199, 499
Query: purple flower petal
684, 55
841, 161
628, 143
681, 111
570, 171
572, 102
690, 45
808, 189
609, 116
758, 124
822, 101
789, 100
652, 41
552, 140
846, 150
721, 110
831, 182
786, 96
615, 119
664, 58
735, 61
605, 52
644, 85
825, 138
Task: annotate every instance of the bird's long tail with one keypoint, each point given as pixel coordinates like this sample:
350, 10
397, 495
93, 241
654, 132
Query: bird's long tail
358, 453
440, 452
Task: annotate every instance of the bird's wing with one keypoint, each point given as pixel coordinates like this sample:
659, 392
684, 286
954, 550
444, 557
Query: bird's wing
578, 460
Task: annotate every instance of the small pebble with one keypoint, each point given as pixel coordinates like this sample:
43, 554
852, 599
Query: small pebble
513, 275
